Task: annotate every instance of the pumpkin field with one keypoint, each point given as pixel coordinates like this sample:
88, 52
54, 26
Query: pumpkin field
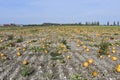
60, 53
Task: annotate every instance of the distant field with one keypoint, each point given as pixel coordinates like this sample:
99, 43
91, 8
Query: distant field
60, 53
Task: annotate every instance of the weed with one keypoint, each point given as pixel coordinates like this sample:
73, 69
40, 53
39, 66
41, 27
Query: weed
20, 39
26, 71
63, 41
104, 47
117, 43
10, 44
36, 48
49, 75
10, 37
2, 47
77, 77
56, 56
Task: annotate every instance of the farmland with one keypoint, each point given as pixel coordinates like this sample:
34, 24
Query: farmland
60, 53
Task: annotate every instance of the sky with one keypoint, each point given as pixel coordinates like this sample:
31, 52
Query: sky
58, 11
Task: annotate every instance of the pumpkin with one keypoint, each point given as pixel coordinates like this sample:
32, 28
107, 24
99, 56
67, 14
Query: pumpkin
85, 64
25, 62
18, 54
118, 68
109, 56
95, 73
87, 49
2, 54
90, 61
101, 57
113, 51
68, 57
114, 58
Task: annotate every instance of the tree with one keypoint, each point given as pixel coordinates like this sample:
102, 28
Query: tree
108, 23
80, 23
118, 23
114, 24
97, 23
86, 23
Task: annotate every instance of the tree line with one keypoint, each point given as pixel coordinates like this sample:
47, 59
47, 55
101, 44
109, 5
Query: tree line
95, 23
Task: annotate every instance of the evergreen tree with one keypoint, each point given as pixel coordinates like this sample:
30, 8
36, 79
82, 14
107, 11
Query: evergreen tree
114, 24
108, 23
98, 23
86, 24
118, 23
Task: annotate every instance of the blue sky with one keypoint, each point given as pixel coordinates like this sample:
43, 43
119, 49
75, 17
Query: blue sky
58, 11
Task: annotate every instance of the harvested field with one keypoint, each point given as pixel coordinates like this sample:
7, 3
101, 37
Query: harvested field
59, 53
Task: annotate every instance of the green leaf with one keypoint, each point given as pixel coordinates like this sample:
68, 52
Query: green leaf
36, 49
54, 54
57, 58
26, 71
68, 47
